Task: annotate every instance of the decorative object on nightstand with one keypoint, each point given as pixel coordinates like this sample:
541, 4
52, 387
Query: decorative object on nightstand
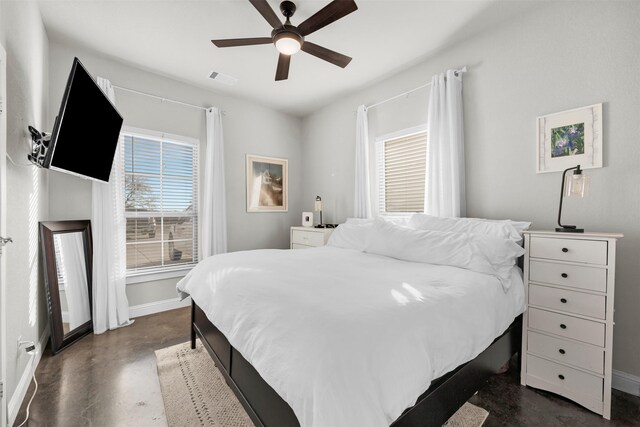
576, 186
307, 219
567, 329
305, 237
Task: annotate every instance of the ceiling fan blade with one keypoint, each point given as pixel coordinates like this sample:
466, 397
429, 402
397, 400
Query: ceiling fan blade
242, 42
267, 13
282, 72
327, 54
328, 14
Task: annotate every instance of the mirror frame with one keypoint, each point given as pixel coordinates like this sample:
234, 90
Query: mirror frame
47, 231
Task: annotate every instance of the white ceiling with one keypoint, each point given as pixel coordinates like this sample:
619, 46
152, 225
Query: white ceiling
172, 37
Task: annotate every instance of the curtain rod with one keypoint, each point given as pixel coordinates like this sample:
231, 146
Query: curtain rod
163, 99
461, 70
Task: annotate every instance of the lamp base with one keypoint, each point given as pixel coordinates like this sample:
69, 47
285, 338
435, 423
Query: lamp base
569, 230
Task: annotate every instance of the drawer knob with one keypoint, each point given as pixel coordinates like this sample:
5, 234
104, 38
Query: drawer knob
563, 300
565, 250
561, 376
562, 351
563, 326
564, 275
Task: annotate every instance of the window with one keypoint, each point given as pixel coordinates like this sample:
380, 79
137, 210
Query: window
401, 167
161, 193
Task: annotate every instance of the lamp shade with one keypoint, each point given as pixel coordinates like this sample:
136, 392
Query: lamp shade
577, 186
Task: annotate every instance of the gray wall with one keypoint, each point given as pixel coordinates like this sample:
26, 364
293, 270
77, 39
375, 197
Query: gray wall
557, 56
23, 36
248, 129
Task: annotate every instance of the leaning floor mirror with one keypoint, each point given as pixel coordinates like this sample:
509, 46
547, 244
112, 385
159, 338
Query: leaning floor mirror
67, 251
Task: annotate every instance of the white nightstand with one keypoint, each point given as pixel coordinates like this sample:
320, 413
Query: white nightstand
309, 237
567, 330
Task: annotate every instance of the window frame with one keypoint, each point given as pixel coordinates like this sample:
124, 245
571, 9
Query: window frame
172, 271
379, 168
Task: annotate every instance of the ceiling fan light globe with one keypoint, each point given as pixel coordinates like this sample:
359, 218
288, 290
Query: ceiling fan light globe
288, 45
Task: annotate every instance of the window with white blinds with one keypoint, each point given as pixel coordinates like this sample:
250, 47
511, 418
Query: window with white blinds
401, 169
161, 194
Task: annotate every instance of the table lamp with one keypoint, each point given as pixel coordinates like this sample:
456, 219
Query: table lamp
318, 208
576, 186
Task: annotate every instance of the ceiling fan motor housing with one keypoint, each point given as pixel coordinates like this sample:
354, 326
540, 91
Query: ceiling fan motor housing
288, 8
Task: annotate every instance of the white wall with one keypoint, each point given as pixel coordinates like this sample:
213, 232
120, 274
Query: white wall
558, 56
248, 129
25, 40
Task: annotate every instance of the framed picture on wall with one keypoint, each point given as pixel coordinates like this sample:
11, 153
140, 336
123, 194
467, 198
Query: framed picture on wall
570, 138
267, 184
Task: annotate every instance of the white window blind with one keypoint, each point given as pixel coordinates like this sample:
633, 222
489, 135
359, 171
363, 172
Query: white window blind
161, 194
401, 170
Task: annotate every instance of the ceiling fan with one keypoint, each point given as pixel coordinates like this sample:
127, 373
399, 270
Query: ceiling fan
289, 39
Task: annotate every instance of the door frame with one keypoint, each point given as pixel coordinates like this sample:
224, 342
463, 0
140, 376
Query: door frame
3, 230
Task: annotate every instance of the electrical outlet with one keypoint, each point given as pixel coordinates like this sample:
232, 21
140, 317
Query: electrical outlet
28, 346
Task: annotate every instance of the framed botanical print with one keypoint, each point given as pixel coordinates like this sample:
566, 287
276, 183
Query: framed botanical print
267, 184
570, 138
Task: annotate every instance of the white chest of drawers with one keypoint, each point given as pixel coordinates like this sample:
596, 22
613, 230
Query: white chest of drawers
309, 237
567, 336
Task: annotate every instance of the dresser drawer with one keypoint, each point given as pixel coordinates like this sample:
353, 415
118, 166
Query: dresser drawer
567, 326
571, 381
581, 355
587, 251
569, 301
308, 238
575, 276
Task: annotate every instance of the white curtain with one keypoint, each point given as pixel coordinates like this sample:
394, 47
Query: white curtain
213, 229
110, 305
362, 200
70, 256
444, 187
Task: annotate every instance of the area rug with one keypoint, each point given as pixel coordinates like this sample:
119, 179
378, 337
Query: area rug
196, 394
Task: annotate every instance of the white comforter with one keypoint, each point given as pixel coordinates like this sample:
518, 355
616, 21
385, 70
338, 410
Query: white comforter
349, 338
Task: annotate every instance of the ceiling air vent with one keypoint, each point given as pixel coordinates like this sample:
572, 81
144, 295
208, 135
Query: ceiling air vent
223, 78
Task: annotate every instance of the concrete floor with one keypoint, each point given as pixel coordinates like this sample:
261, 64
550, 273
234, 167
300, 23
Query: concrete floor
111, 380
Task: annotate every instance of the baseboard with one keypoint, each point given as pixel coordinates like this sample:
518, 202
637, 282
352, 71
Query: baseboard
625, 382
158, 307
23, 385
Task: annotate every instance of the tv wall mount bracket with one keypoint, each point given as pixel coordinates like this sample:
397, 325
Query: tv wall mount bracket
39, 146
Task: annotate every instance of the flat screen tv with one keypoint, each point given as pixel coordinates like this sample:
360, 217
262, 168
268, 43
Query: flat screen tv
86, 131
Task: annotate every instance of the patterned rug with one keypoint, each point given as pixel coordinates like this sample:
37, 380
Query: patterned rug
196, 394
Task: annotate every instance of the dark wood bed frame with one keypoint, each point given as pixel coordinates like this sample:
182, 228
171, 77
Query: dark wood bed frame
267, 409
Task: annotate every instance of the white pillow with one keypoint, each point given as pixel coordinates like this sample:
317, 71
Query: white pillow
351, 235
399, 220
359, 221
503, 229
520, 226
483, 254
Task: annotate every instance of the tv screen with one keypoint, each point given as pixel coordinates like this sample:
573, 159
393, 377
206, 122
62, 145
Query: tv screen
86, 131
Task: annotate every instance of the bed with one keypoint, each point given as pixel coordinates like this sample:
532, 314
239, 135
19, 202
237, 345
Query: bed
343, 336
